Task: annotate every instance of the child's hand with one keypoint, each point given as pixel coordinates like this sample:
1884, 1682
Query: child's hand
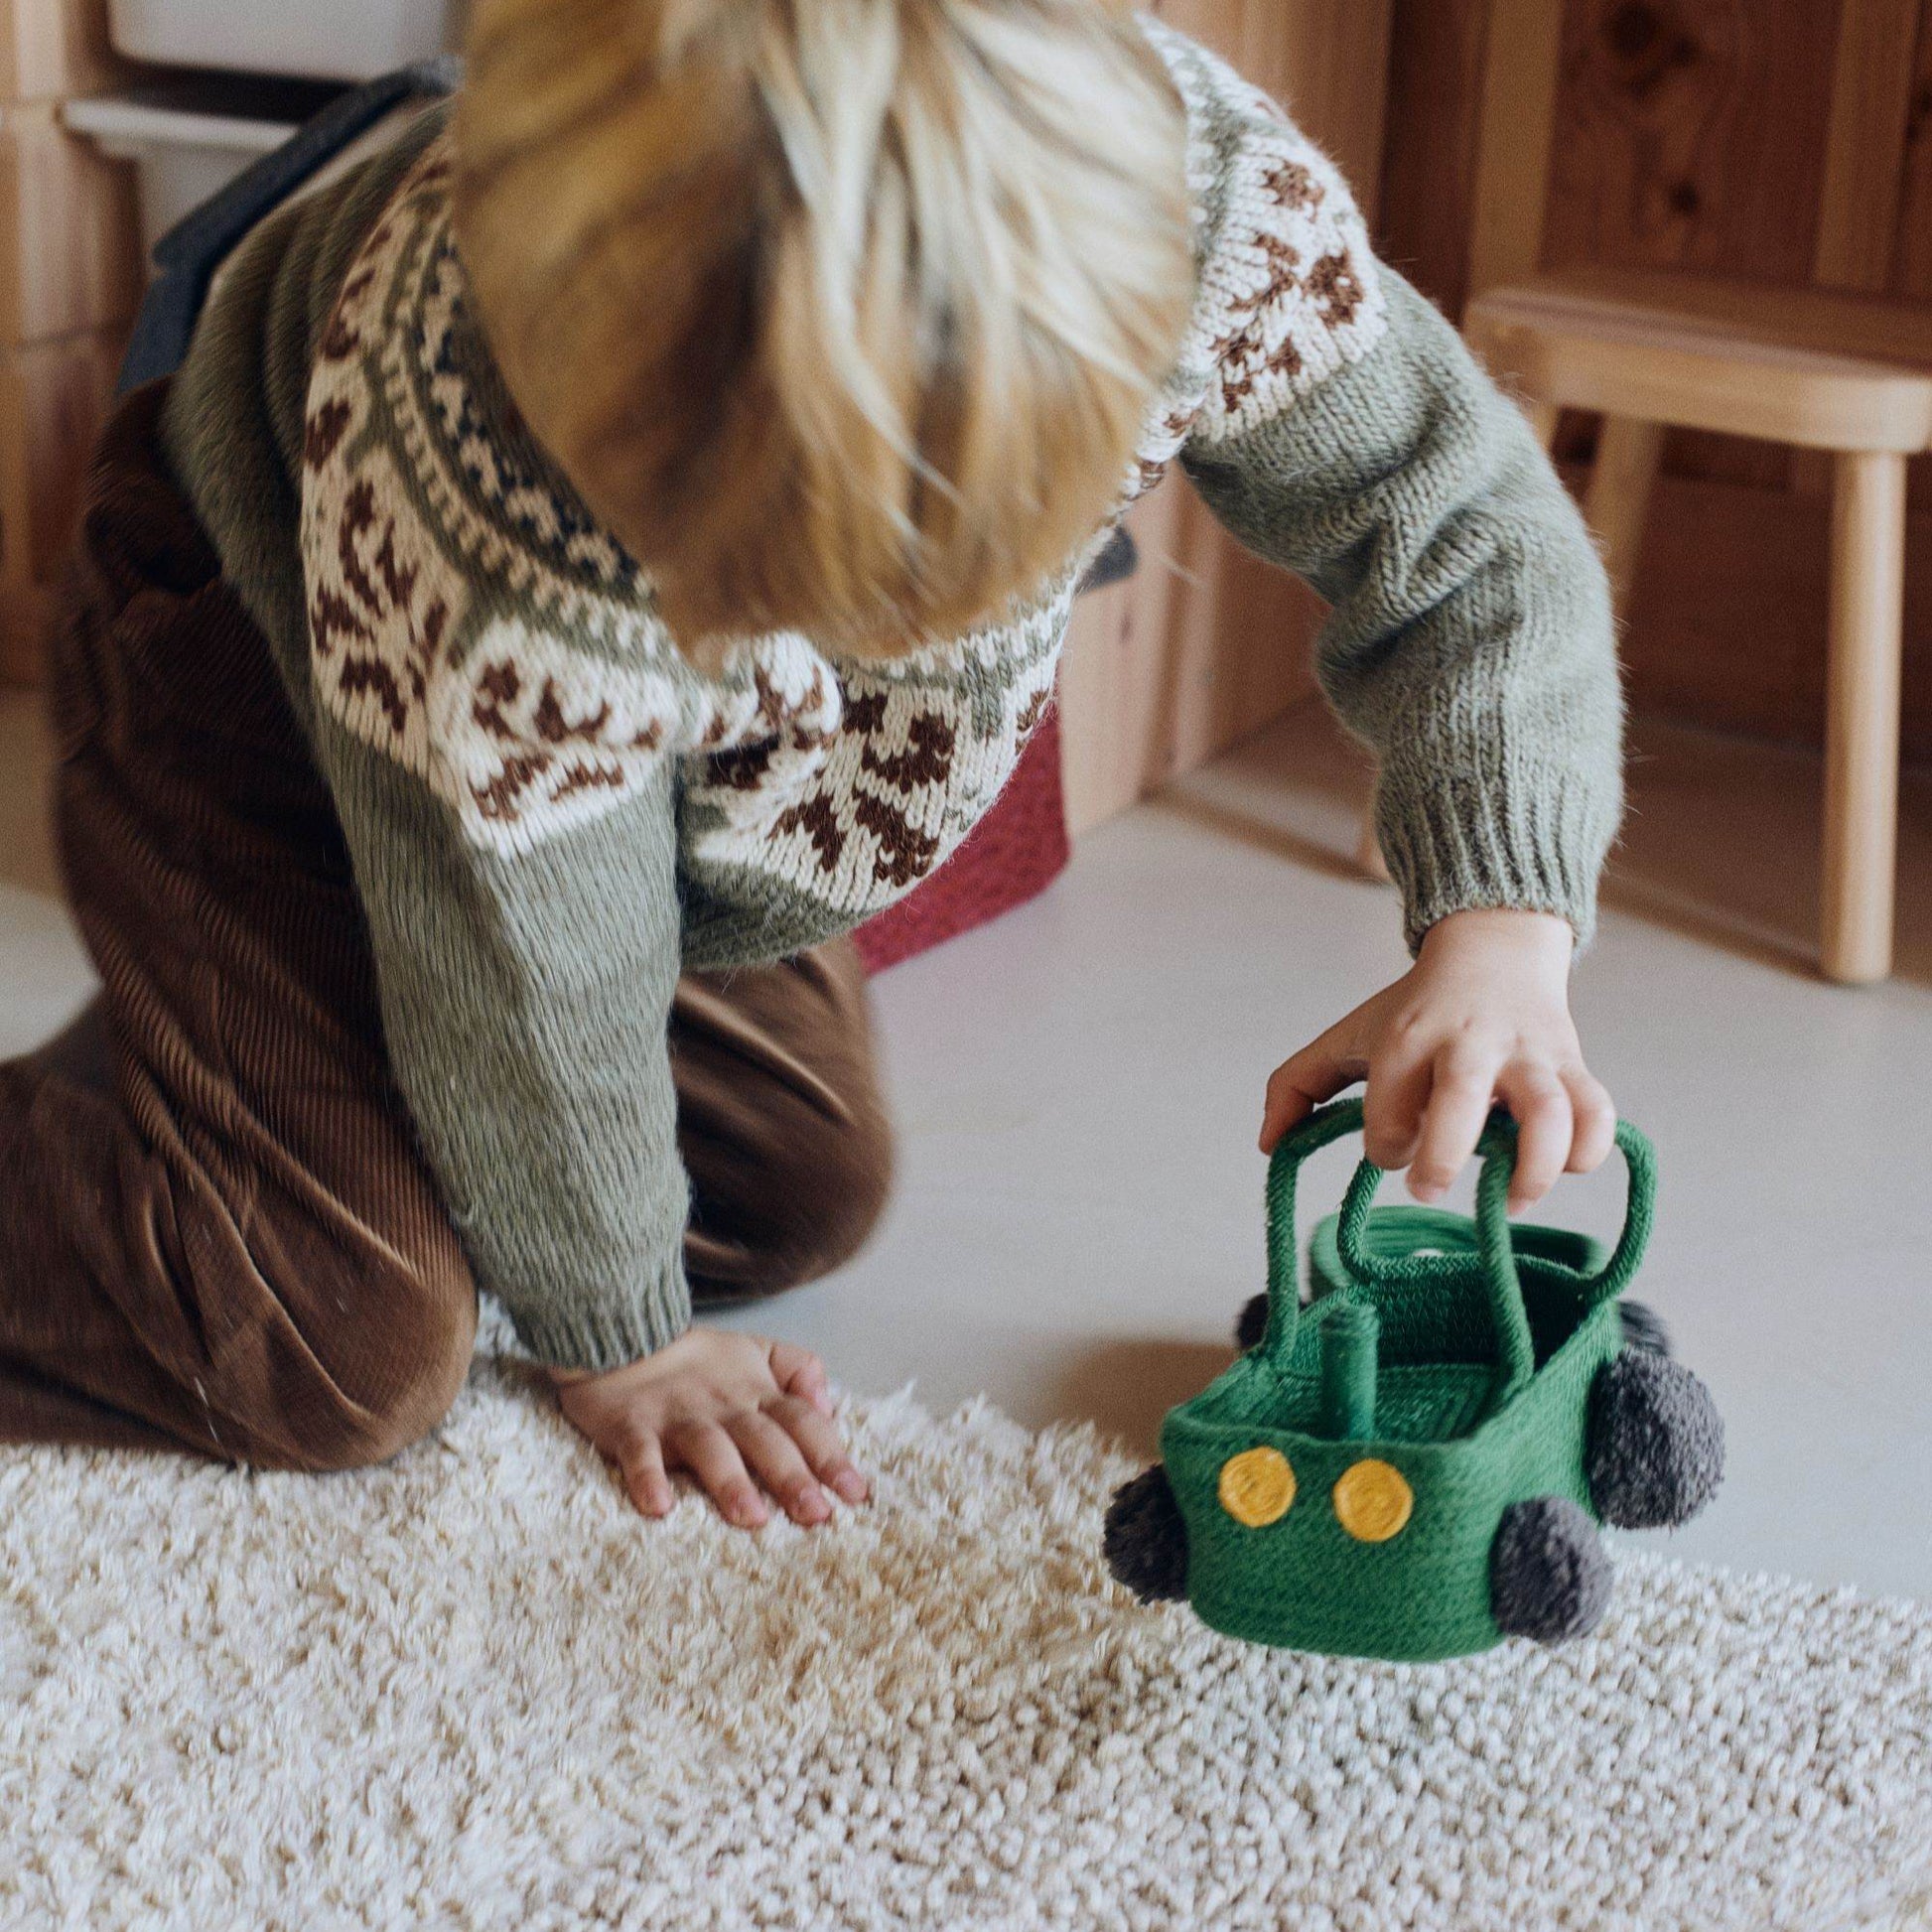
1482, 1015
726, 1407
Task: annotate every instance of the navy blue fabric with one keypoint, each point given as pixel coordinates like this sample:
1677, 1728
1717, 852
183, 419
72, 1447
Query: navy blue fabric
187, 255
1117, 562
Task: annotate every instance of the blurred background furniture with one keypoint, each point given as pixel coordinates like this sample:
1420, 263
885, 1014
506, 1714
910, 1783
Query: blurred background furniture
324, 39
69, 280
1780, 145
1845, 373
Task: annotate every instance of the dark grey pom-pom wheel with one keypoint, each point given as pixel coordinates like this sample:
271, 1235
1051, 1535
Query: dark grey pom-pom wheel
1251, 1323
1656, 1450
1145, 1540
1643, 1326
1550, 1577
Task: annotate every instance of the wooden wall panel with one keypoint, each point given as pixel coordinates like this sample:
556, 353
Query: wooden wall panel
1860, 198
1911, 263
1428, 168
1912, 258
1327, 61
1692, 136
1516, 115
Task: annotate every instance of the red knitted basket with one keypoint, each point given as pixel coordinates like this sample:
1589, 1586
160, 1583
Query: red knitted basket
1011, 855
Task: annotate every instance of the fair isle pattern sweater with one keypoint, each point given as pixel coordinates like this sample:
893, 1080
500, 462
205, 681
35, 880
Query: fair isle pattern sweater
466, 619
550, 813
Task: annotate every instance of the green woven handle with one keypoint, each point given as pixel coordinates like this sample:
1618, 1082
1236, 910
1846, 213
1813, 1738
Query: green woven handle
1498, 1255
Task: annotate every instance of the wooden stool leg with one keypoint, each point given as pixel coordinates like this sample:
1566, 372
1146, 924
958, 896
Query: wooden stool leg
1627, 453
1861, 716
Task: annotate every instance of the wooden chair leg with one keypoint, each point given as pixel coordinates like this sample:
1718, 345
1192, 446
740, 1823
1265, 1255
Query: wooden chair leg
1627, 453
1544, 417
1865, 648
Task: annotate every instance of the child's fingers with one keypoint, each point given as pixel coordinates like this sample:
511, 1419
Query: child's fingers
1544, 1129
799, 1373
774, 1458
1392, 1107
1303, 1082
642, 1464
1596, 1115
709, 1453
1461, 1089
823, 1447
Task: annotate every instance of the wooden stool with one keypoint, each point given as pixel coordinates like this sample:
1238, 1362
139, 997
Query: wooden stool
1836, 366
1848, 374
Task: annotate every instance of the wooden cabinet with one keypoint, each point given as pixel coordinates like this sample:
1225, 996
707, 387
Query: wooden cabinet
69, 282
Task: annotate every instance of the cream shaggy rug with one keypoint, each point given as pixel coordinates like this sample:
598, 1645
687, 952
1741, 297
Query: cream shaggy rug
474, 1689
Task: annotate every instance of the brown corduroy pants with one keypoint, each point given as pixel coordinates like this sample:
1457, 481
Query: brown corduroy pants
217, 1231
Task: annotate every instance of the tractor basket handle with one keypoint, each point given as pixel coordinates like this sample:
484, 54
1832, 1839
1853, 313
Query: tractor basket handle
1498, 1256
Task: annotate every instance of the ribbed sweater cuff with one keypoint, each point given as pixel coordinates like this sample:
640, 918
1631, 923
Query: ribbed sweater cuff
583, 1332
1532, 840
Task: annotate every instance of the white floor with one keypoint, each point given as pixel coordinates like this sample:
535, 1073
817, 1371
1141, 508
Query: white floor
1077, 1218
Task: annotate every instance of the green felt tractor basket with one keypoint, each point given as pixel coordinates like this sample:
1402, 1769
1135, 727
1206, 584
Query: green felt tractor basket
1414, 1466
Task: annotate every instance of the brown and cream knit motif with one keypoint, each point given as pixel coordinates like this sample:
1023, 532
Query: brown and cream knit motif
469, 618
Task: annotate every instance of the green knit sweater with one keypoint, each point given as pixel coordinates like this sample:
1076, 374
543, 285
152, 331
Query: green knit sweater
550, 813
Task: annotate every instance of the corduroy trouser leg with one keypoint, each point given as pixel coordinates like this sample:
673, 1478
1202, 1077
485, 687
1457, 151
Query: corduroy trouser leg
217, 1231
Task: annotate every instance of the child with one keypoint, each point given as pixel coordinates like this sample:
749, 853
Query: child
605, 547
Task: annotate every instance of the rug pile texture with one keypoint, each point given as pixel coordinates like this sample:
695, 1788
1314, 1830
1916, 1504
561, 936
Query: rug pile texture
472, 1688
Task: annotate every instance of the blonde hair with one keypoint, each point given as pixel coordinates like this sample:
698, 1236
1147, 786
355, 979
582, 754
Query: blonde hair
843, 315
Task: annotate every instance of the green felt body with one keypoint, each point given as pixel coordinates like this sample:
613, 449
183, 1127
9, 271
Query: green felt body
1481, 1400
1304, 1582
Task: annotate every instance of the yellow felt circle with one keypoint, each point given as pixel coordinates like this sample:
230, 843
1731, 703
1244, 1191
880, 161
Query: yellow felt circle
1373, 1500
1257, 1486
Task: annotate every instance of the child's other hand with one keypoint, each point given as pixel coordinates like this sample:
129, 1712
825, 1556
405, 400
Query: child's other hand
728, 1407
1482, 1015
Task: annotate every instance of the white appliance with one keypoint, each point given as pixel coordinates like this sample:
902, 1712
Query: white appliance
265, 65
321, 40
186, 148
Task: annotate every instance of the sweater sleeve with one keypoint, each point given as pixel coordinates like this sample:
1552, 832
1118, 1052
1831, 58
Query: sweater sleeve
1348, 436
512, 825
525, 1006
525, 993
1471, 642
